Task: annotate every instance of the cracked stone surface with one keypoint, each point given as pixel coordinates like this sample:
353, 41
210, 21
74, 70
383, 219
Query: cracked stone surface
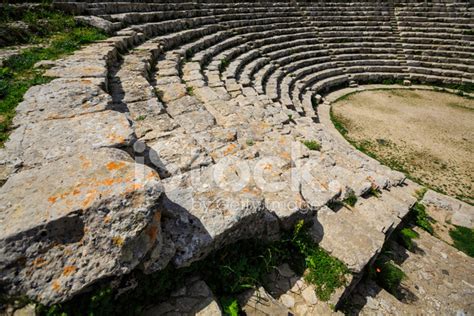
439, 281
195, 298
63, 232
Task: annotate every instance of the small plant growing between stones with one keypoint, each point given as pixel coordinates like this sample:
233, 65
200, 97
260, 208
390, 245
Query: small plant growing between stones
420, 193
421, 218
230, 306
312, 144
314, 102
223, 65
326, 273
141, 118
351, 199
463, 239
190, 90
388, 275
250, 142
373, 191
406, 237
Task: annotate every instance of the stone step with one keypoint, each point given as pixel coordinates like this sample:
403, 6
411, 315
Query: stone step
356, 235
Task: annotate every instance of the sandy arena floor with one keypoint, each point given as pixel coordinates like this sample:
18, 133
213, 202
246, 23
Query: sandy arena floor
428, 134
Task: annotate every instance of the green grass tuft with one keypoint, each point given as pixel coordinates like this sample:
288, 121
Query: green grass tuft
351, 199
420, 193
388, 276
312, 144
463, 239
406, 237
223, 65
190, 91
325, 272
17, 74
421, 217
230, 306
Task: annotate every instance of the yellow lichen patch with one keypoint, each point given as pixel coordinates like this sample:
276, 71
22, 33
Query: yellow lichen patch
118, 241
115, 165
69, 270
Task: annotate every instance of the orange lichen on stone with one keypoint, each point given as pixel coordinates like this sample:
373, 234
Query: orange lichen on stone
52, 199
267, 166
89, 199
230, 149
116, 138
115, 165
55, 285
151, 175
69, 270
285, 155
39, 262
133, 187
86, 163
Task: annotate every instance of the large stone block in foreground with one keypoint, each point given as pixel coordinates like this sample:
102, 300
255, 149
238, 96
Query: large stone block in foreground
69, 223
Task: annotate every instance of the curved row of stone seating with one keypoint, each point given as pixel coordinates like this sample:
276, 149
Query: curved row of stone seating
198, 93
176, 63
430, 32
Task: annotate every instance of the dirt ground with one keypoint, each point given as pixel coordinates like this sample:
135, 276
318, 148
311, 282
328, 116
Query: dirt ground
427, 134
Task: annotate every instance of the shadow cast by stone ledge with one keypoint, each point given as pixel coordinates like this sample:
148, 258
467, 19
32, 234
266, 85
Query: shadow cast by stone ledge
367, 288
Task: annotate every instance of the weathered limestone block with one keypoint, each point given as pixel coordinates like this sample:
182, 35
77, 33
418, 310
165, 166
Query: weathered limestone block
69, 223
97, 22
77, 68
258, 303
190, 114
213, 207
175, 152
195, 298
44, 141
347, 237
453, 210
172, 91
62, 98
136, 88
